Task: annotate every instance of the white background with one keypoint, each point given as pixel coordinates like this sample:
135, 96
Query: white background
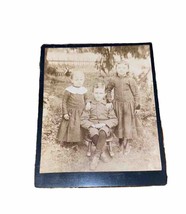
24, 27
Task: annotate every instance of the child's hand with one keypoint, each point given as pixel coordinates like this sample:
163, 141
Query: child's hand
137, 109
109, 106
99, 125
102, 125
66, 116
137, 112
109, 99
88, 106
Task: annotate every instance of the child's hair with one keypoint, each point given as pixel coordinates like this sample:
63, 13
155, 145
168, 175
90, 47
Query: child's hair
100, 84
76, 73
123, 62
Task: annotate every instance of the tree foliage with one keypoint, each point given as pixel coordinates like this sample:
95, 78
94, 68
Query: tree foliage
107, 60
135, 51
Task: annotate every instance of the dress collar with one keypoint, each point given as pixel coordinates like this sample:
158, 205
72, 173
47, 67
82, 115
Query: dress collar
75, 90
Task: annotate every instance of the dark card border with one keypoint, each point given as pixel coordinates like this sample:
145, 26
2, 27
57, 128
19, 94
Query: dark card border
97, 179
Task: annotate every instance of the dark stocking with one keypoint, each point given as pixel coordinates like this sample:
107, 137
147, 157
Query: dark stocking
95, 139
101, 141
121, 141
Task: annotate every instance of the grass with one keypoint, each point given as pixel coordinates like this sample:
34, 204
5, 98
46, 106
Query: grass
54, 158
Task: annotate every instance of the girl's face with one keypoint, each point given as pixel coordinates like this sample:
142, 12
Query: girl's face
78, 80
122, 69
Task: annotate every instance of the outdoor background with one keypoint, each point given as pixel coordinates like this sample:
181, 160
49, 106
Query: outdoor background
97, 63
25, 26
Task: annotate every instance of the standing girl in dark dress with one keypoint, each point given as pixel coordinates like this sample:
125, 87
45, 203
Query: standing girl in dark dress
74, 100
126, 104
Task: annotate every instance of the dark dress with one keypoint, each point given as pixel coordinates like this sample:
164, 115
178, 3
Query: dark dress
126, 100
73, 104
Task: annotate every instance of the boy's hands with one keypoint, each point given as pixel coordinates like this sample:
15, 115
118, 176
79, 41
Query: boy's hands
99, 125
137, 112
88, 106
66, 116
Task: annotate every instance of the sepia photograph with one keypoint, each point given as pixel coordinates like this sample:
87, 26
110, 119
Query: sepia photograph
98, 110
97, 92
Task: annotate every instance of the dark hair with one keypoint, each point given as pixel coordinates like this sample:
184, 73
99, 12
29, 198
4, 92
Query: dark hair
99, 84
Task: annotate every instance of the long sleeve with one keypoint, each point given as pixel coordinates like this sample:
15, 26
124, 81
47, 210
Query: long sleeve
86, 98
109, 88
64, 102
113, 120
135, 92
85, 122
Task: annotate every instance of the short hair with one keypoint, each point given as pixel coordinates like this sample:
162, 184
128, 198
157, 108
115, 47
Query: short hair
75, 73
99, 84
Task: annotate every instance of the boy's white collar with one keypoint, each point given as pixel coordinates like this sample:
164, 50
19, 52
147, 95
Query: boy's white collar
74, 90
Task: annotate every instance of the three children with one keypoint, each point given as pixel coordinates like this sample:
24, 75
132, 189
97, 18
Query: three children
99, 117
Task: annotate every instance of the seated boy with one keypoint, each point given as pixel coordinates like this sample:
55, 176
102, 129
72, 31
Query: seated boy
99, 121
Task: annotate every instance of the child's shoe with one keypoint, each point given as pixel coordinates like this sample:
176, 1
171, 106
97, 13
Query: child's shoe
123, 148
89, 149
111, 153
127, 148
88, 154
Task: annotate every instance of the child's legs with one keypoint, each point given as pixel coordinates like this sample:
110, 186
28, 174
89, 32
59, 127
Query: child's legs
98, 137
121, 141
95, 139
94, 135
107, 130
101, 141
93, 131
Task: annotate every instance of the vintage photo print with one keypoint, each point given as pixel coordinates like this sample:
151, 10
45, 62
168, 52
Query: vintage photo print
99, 122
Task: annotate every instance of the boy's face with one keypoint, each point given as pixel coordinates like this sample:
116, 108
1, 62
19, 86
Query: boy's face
122, 69
78, 80
99, 94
